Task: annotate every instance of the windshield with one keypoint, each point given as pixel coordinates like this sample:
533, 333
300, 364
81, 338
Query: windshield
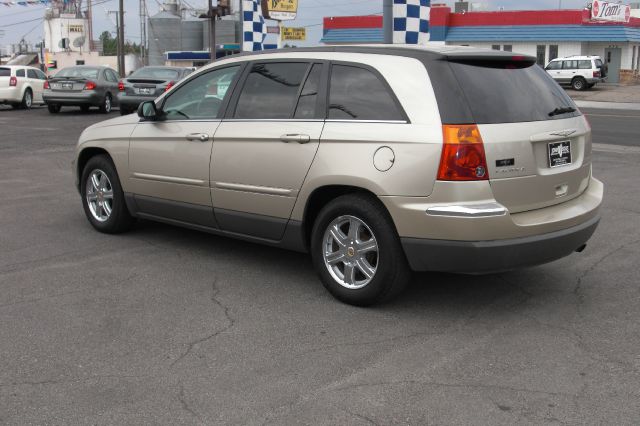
508, 94
78, 72
156, 73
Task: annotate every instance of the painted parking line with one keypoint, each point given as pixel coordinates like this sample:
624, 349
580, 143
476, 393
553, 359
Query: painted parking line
617, 149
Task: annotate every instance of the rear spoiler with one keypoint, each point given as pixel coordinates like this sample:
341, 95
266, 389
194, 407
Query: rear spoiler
489, 58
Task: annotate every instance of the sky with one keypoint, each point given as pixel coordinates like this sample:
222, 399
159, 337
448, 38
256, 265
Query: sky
19, 21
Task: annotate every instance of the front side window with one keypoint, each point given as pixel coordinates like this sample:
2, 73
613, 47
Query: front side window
553, 51
271, 91
20, 73
358, 94
556, 65
200, 98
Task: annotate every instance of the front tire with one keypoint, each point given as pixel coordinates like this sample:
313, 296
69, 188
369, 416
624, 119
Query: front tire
356, 251
105, 108
578, 83
102, 196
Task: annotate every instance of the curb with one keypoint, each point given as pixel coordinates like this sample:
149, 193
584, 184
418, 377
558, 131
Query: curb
608, 105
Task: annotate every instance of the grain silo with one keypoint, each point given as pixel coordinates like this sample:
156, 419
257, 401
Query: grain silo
165, 33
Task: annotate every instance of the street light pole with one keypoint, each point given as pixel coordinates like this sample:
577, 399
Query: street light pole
387, 21
121, 70
212, 32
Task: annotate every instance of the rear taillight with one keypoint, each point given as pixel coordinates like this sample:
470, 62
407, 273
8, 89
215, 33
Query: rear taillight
121, 86
463, 156
169, 85
46, 85
596, 74
13, 81
89, 85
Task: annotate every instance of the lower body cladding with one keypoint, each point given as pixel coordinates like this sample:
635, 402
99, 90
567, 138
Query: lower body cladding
483, 237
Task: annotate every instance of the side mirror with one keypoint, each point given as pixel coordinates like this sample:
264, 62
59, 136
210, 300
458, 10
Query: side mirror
148, 111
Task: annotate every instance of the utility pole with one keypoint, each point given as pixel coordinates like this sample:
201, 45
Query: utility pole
143, 32
387, 21
212, 32
90, 24
121, 70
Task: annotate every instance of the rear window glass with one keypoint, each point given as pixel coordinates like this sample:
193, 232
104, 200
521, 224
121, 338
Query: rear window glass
159, 73
598, 63
78, 72
502, 93
5, 72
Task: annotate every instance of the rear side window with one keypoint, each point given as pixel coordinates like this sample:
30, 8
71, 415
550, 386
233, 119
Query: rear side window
358, 94
20, 73
505, 92
271, 91
5, 72
570, 65
584, 65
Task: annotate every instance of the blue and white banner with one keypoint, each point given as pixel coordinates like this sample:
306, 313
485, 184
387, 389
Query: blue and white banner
254, 29
411, 21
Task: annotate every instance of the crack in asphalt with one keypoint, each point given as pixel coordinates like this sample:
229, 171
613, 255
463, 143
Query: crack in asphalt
578, 287
185, 405
230, 323
70, 380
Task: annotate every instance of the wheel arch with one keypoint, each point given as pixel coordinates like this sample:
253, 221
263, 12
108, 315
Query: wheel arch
84, 156
324, 194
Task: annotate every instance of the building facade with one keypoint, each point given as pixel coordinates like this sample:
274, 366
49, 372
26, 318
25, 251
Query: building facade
544, 34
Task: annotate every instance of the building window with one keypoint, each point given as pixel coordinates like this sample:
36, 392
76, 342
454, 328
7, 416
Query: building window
553, 51
80, 62
507, 48
541, 51
497, 47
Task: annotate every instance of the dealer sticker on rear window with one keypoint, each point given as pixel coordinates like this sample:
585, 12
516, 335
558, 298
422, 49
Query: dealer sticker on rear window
559, 153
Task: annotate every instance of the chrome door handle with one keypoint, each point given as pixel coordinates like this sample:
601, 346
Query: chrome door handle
202, 137
295, 138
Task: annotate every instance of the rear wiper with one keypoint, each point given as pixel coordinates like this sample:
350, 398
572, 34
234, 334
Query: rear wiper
563, 110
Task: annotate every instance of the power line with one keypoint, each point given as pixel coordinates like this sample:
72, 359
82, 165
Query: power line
21, 22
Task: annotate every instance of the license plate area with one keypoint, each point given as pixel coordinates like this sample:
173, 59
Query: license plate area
67, 86
145, 91
559, 154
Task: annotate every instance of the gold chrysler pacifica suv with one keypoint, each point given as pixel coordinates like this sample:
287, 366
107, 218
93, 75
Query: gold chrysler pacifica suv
376, 160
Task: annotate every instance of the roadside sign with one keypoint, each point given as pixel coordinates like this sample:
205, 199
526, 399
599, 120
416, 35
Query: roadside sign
273, 30
609, 11
280, 10
294, 33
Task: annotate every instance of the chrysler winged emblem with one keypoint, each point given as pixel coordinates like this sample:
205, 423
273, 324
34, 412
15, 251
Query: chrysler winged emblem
564, 133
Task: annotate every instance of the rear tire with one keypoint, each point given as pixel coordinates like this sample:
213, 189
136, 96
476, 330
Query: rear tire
356, 251
54, 109
102, 196
27, 99
578, 83
105, 108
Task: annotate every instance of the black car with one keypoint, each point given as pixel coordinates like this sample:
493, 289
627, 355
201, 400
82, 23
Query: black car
146, 84
82, 85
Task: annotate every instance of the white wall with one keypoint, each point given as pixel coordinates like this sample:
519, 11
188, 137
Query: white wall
530, 48
55, 29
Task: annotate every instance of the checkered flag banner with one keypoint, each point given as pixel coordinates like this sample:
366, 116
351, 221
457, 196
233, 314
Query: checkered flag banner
254, 28
411, 21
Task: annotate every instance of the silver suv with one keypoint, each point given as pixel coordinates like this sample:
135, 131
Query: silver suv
580, 72
376, 160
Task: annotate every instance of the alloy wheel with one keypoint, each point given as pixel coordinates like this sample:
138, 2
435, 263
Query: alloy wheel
350, 252
99, 194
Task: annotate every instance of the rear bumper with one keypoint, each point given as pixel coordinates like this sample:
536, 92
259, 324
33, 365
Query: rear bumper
73, 99
132, 101
498, 255
10, 95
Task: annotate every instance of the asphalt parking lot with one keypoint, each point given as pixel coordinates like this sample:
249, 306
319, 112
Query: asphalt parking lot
170, 326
